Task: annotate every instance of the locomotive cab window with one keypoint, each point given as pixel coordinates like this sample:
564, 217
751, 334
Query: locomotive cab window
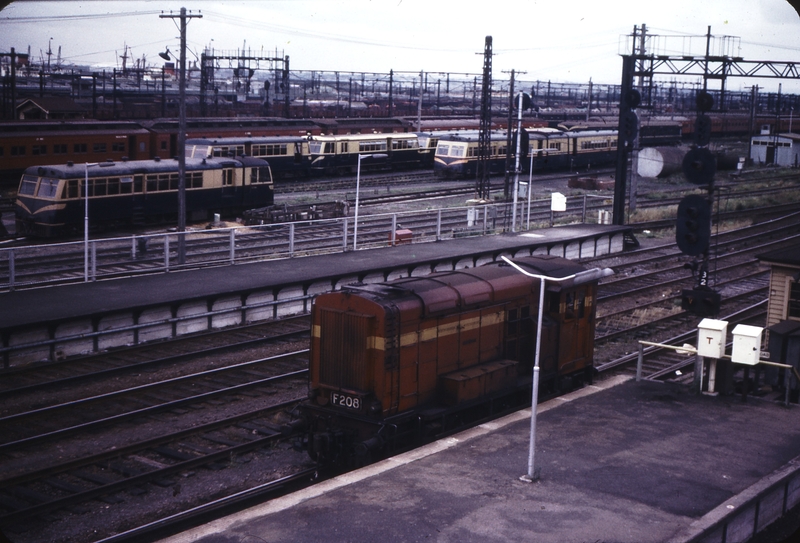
28, 185
260, 175
518, 341
48, 188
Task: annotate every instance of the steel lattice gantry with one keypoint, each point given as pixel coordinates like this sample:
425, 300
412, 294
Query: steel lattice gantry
708, 67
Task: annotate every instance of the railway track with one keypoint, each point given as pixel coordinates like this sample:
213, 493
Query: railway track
41, 479
70, 372
156, 461
122, 257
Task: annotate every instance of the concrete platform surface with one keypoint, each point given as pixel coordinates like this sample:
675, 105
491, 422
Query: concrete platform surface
620, 461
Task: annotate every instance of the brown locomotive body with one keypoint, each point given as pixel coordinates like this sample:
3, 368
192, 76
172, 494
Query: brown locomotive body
398, 362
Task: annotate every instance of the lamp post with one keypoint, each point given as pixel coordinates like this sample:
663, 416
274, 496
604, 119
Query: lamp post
576, 279
86, 222
358, 188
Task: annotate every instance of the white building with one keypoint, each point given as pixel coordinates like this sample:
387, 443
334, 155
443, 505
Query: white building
778, 149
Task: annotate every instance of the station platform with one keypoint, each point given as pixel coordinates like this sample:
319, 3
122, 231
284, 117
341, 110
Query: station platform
621, 461
87, 317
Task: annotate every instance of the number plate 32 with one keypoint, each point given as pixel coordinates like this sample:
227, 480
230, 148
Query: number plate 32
346, 400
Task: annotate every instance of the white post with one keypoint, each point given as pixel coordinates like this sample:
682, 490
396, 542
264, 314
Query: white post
712, 375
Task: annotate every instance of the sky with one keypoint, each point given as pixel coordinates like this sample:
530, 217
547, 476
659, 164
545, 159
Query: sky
562, 41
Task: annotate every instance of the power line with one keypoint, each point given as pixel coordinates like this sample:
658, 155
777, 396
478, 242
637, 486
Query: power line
85, 16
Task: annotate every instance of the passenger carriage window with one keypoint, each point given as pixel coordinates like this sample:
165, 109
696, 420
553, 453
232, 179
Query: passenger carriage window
60, 149
28, 185
443, 150
163, 181
113, 186
71, 189
137, 183
125, 185
227, 177
194, 180
97, 187
174, 181
99, 148
48, 188
152, 183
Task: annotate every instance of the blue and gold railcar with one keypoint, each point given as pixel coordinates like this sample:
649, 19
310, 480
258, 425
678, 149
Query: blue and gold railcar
51, 200
457, 155
288, 156
338, 154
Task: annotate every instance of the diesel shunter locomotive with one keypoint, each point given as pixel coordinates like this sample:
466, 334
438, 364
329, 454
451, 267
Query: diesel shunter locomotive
398, 363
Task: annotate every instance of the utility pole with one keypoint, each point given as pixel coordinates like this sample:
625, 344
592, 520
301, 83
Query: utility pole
485, 136
182, 134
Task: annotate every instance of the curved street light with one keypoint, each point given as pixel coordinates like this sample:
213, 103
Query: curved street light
575, 279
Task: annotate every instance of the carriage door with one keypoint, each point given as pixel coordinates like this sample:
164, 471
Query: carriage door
138, 203
228, 187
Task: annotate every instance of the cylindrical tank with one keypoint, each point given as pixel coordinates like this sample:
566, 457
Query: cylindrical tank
660, 161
